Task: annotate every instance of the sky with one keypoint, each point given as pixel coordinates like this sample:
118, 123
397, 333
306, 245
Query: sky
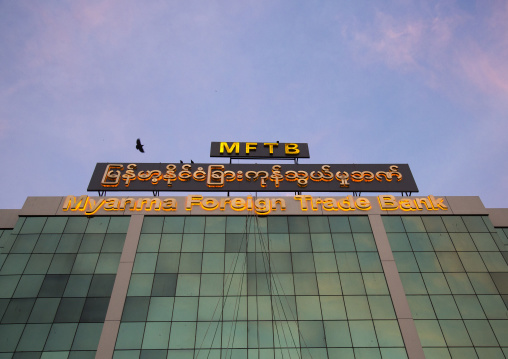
399, 81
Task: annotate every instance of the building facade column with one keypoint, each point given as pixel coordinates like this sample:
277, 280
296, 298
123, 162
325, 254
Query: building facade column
406, 323
109, 333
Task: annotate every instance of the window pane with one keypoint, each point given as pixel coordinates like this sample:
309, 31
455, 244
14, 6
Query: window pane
152, 224
298, 224
194, 224
61, 337
329, 283
343, 242
312, 333
399, 242
118, 224
182, 335
215, 224
279, 242
325, 262
277, 224
87, 336
34, 337
454, 224
164, 285
161, 309
308, 308
322, 242
300, 242
475, 224
441, 241
433, 224
171, 243
359, 224
305, 284
444, 306
333, 307
393, 224
413, 223
303, 262
135, 309
339, 224
173, 224
192, 243
357, 307
130, 335
76, 225
33, 225
420, 241
362, 333
47, 243
149, 242
381, 307
318, 224
388, 333
352, 284
97, 225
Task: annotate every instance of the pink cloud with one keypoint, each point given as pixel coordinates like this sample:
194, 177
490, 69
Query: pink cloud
489, 72
444, 48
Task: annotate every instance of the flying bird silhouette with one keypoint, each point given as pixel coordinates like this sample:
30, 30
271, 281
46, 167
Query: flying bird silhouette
139, 146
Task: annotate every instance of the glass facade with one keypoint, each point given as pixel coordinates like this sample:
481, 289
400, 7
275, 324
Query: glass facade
258, 287
56, 278
455, 278
212, 286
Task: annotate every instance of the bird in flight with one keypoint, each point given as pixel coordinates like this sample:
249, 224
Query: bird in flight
139, 146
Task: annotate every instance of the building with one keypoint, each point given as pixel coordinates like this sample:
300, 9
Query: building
275, 277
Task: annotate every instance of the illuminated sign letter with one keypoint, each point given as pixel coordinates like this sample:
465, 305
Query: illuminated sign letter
270, 145
292, 149
235, 146
387, 202
250, 146
75, 204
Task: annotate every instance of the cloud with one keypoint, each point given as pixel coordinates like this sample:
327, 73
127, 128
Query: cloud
442, 45
397, 43
486, 69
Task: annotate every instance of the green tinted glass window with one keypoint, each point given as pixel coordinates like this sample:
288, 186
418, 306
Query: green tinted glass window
413, 223
33, 225
97, 225
118, 224
318, 224
194, 224
339, 224
300, 242
393, 224
173, 225
433, 224
152, 224
454, 224
149, 242
76, 225
399, 242
215, 224
298, 224
171, 242
475, 224
55, 225
277, 224
363, 334
359, 224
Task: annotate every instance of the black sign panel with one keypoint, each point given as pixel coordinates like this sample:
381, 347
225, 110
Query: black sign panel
202, 177
259, 150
